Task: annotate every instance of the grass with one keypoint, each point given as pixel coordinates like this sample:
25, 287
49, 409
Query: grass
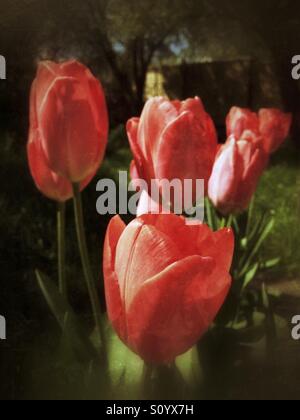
279, 192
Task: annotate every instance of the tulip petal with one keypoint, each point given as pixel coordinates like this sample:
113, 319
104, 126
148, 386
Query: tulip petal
240, 120
175, 227
47, 72
115, 307
184, 151
74, 68
137, 241
141, 166
194, 105
124, 251
51, 185
78, 71
157, 114
274, 127
217, 245
226, 176
252, 175
174, 309
99, 109
33, 119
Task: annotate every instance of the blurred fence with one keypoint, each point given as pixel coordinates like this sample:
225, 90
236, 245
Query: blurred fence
220, 85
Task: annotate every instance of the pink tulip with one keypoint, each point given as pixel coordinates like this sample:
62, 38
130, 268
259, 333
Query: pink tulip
237, 170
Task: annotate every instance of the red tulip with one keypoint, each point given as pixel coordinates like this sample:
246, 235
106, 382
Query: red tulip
240, 120
69, 111
274, 127
50, 184
237, 170
165, 283
173, 140
270, 127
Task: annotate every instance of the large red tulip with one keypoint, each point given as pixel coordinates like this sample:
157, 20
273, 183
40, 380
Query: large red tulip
165, 282
237, 170
173, 140
270, 127
69, 111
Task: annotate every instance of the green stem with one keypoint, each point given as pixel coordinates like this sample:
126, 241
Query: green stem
61, 246
209, 213
250, 216
230, 221
147, 383
91, 285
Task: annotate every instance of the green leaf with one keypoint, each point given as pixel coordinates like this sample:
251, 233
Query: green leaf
235, 225
209, 216
190, 367
251, 334
257, 228
250, 276
229, 221
265, 297
222, 223
267, 265
271, 328
250, 216
244, 243
67, 319
259, 242
125, 367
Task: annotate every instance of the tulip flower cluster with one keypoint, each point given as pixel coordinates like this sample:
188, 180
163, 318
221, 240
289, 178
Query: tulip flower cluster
165, 281
174, 140
241, 162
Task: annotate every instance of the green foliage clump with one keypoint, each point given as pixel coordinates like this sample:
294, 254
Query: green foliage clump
279, 192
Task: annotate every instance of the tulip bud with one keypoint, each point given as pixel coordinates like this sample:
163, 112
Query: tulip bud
236, 173
68, 109
165, 282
